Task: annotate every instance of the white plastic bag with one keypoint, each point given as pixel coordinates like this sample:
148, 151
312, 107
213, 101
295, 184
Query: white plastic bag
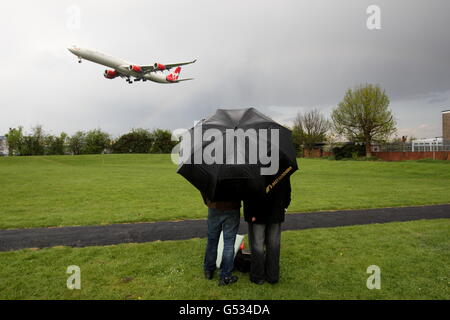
237, 244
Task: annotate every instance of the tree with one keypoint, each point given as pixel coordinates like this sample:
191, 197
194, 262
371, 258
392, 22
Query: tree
310, 128
77, 142
15, 141
55, 145
296, 140
27, 145
136, 141
33, 145
38, 139
96, 141
162, 141
364, 116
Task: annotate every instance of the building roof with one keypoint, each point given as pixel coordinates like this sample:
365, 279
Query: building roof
428, 140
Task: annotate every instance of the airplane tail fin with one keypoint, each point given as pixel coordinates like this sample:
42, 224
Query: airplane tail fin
173, 77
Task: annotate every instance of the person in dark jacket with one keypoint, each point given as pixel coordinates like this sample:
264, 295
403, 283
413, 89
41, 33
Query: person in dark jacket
222, 216
264, 216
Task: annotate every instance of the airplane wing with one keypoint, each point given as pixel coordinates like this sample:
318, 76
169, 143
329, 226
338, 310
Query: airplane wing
170, 66
160, 66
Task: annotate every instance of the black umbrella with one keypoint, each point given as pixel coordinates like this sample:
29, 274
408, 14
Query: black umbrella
237, 154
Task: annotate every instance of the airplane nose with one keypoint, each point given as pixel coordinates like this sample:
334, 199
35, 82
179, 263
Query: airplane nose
72, 49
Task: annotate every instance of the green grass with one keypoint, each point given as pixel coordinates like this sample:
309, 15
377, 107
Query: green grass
414, 259
101, 189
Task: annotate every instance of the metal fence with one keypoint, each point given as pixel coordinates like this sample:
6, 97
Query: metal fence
409, 147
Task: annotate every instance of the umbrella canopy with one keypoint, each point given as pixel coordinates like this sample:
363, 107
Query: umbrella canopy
236, 154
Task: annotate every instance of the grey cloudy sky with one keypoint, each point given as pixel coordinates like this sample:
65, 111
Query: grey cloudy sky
281, 57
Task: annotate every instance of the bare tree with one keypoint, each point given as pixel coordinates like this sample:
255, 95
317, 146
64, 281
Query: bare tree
310, 128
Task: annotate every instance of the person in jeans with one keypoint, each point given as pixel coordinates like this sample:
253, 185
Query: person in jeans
264, 216
222, 216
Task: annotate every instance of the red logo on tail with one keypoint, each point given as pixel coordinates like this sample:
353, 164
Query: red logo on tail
173, 77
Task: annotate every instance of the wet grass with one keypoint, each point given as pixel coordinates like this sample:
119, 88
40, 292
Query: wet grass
414, 259
47, 191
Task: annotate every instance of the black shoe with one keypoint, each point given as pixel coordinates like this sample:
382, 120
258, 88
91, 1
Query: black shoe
209, 274
260, 281
228, 280
272, 281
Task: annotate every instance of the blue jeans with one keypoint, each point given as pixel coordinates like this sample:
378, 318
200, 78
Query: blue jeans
228, 221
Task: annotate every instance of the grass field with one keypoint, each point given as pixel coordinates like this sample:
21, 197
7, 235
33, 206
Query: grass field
414, 259
101, 189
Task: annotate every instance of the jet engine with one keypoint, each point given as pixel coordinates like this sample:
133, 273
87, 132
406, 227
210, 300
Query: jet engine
135, 68
159, 66
110, 74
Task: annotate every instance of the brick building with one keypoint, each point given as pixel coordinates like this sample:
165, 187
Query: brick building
446, 125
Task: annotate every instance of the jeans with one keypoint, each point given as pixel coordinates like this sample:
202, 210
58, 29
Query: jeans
228, 221
265, 265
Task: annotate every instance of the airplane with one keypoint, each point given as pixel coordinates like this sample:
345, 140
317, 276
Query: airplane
124, 69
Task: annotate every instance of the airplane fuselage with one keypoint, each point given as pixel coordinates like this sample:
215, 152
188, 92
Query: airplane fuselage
117, 64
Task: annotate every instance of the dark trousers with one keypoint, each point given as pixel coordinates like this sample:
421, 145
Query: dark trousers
228, 221
265, 264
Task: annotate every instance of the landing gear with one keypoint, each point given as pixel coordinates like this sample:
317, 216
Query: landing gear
79, 60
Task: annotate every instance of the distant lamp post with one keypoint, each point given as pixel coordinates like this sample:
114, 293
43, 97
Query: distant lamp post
403, 142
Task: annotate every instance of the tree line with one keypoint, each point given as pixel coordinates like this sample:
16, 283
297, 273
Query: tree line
362, 117
96, 141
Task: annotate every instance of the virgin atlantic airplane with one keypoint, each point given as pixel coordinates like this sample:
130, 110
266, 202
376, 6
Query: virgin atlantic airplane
124, 69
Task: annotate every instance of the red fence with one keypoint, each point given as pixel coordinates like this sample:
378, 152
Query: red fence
397, 156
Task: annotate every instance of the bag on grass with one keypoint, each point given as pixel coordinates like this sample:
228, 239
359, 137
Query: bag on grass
242, 261
237, 245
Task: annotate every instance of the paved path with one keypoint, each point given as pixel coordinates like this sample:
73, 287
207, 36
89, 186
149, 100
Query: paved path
187, 229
